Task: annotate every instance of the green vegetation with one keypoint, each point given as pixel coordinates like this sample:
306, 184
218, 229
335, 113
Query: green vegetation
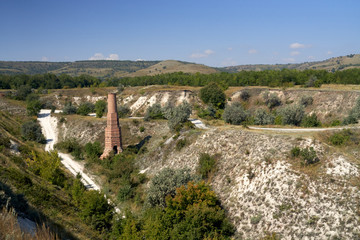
307, 155
100, 108
292, 114
123, 111
177, 116
354, 114
213, 94
262, 117
69, 109
235, 114
345, 137
180, 144
306, 101
165, 183
154, 112
272, 100
31, 131
310, 121
207, 165
85, 108
72, 146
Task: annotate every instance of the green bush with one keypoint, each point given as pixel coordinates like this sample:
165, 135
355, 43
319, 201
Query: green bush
85, 108
72, 146
22, 92
180, 144
93, 150
234, 114
177, 115
306, 101
142, 129
335, 123
165, 183
213, 94
31, 131
310, 121
33, 107
295, 152
123, 111
308, 155
272, 100
245, 95
69, 109
100, 108
340, 138
354, 114
262, 117
4, 141
154, 112
206, 165
292, 114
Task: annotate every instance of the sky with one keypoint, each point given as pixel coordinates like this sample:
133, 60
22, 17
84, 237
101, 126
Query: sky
214, 33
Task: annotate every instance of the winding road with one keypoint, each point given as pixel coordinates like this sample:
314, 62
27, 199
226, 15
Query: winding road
49, 128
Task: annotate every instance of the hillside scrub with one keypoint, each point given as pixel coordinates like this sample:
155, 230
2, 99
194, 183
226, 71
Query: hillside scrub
31, 131
213, 94
123, 111
100, 108
271, 99
307, 155
69, 109
85, 108
262, 117
177, 116
235, 114
354, 114
206, 165
154, 112
292, 114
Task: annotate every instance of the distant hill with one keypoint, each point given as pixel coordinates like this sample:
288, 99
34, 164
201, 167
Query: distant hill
106, 69
332, 64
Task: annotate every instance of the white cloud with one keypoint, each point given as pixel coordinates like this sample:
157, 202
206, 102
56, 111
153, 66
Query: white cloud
100, 56
45, 59
329, 52
297, 45
252, 51
294, 53
228, 62
289, 60
203, 54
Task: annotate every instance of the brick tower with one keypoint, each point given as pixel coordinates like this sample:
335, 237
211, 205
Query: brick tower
112, 131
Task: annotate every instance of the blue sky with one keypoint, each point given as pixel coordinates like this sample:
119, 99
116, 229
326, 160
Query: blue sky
215, 33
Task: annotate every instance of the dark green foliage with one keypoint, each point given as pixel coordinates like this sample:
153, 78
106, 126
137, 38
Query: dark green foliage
100, 108
165, 183
154, 112
245, 95
213, 94
95, 210
262, 117
295, 152
85, 108
292, 114
308, 155
69, 109
142, 129
4, 141
340, 138
235, 114
206, 165
310, 121
22, 92
354, 114
335, 123
177, 116
93, 150
123, 111
313, 82
31, 131
272, 100
180, 144
33, 107
306, 100
208, 113
72, 146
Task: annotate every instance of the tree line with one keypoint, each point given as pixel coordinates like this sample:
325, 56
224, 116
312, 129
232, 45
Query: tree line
271, 78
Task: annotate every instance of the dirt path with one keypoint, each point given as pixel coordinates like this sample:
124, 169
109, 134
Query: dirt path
49, 128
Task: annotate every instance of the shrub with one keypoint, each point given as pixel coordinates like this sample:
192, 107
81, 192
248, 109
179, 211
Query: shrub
272, 100
123, 111
234, 114
292, 114
72, 146
69, 109
340, 138
165, 183
209, 112
335, 123
22, 92
262, 117
354, 114
180, 144
93, 150
100, 108
154, 112
142, 129
33, 107
310, 121
206, 165
177, 115
308, 155
306, 101
245, 95
4, 141
31, 131
213, 94
313, 82
95, 211
85, 108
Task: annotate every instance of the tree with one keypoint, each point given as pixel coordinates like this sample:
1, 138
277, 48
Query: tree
31, 131
33, 107
213, 94
292, 114
123, 111
165, 183
100, 108
234, 114
177, 115
262, 117
69, 109
154, 112
85, 108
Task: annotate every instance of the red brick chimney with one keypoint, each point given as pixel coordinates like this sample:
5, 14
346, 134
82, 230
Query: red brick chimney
112, 131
